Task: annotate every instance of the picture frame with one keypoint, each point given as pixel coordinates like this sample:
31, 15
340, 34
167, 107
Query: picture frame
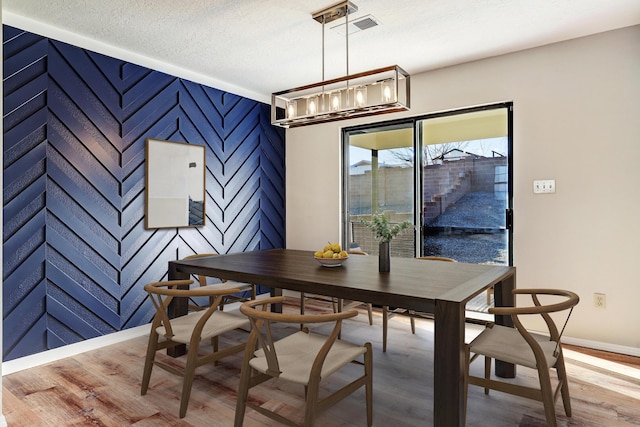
175, 184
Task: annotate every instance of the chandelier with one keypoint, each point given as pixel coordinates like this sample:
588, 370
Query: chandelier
384, 90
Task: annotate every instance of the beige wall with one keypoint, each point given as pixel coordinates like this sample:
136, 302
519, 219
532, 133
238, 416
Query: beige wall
576, 110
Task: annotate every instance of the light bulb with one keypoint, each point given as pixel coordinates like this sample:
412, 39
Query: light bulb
335, 101
387, 93
360, 97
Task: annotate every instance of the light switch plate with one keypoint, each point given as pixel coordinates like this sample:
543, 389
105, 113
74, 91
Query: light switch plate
544, 186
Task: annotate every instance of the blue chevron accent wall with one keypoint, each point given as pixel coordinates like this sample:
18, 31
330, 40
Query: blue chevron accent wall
76, 253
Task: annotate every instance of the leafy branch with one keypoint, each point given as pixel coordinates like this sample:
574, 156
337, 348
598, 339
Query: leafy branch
382, 229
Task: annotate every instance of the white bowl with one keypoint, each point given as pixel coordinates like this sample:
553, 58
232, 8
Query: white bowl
331, 262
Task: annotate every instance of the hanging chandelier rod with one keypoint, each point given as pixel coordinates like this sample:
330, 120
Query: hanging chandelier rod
325, 16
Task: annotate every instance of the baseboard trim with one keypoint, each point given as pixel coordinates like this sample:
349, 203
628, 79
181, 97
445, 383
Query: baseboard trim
603, 346
55, 354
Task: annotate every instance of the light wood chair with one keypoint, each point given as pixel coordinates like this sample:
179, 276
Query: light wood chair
386, 313
521, 347
338, 303
489, 293
222, 284
190, 329
303, 358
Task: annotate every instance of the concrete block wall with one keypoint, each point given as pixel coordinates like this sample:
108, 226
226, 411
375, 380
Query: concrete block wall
395, 189
443, 185
402, 245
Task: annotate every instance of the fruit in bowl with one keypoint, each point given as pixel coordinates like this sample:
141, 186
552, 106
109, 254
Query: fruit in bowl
331, 255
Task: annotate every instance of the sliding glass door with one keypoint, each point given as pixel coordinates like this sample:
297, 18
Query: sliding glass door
449, 173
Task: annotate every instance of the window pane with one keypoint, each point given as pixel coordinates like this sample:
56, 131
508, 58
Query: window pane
381, 177
465, 186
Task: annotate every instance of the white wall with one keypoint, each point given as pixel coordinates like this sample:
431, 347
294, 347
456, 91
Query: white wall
576, 120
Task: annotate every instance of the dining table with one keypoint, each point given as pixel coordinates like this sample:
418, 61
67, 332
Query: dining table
440, 288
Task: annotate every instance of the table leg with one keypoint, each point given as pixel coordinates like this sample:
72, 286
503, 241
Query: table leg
503, 296
277, 292
448, 366
177, 307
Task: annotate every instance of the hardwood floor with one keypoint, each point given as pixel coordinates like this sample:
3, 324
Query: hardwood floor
102, 388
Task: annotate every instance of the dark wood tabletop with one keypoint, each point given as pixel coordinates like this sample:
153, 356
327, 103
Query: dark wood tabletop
442, 288
412, 283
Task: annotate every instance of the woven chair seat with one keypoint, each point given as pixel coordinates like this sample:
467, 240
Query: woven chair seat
297, 352
219, 323
507, 344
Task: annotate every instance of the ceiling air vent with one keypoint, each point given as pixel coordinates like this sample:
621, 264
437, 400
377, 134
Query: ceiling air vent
358, 24
365, 22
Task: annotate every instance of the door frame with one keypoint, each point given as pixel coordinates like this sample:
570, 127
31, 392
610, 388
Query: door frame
413, 121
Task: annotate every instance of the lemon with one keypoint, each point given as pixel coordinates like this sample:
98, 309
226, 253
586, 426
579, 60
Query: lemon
332, 250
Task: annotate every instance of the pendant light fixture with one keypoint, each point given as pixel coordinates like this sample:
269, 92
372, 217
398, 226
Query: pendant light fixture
384, 90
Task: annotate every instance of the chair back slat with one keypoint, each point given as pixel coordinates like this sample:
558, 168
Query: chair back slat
324, 351
263, 333
566, 320
197, 330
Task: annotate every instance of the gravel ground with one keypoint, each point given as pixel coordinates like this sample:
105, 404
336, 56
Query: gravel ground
479, 209
471, 230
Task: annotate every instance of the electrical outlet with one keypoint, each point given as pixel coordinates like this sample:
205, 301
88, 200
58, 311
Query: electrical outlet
599, 300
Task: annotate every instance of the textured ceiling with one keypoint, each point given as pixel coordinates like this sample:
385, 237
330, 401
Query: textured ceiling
256, 47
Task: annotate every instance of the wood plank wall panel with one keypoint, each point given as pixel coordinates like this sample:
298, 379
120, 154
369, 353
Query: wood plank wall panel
76, 254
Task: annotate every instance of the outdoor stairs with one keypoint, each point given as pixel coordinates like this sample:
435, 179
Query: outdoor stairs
440, 202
